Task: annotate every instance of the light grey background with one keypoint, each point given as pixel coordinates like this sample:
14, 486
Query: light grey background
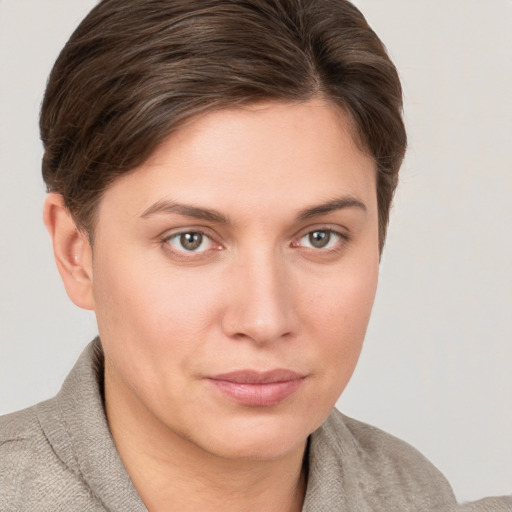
436, 369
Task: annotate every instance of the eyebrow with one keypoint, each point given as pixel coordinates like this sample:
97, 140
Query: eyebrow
331, 206
186, 210
169, 207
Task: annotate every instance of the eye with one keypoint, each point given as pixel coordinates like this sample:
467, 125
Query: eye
320, 239
190, 241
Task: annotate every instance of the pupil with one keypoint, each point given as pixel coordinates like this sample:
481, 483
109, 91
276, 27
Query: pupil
319, 239
191, 241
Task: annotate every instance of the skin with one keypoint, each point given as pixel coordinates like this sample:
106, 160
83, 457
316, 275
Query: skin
255, 294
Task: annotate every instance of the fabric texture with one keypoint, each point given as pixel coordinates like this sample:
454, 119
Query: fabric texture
59, 456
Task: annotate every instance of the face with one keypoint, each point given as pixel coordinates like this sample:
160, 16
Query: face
233, 278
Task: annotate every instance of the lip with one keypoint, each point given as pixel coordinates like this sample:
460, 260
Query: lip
258, 389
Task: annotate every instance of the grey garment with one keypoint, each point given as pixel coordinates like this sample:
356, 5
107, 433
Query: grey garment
59, 456
496, 504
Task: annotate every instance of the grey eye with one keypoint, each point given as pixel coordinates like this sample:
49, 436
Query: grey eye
191, 241
319, 239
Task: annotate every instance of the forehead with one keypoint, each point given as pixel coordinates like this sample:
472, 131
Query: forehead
254, 125
257, 155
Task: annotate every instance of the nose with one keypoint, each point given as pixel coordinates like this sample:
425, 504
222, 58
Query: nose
260, 307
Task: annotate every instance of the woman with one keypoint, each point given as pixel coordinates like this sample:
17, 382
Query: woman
219, 176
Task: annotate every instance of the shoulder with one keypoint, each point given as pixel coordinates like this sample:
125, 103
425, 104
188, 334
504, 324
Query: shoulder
380, 471
18, 426
495, 504
21, 440
26, 457
32, 477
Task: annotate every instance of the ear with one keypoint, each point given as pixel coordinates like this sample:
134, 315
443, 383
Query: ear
72, 251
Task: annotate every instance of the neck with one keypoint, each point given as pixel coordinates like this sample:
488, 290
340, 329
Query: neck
173, 473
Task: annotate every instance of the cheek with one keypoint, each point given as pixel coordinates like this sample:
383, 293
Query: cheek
151, 323
341, 315
342, 301
149, 306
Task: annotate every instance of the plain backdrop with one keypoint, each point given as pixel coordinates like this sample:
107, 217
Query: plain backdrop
436, 369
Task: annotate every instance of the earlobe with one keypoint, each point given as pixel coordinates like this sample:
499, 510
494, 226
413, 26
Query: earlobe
72, 251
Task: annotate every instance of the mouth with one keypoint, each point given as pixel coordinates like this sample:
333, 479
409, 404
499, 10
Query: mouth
258, 389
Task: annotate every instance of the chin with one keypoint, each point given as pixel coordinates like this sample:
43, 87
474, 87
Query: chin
257, 440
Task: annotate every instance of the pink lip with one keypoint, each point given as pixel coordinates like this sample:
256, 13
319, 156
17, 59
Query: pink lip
260, 389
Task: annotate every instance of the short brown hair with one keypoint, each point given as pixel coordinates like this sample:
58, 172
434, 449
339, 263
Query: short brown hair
135, 69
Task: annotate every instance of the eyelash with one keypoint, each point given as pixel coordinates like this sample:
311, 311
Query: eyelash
342, 240
184, 253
